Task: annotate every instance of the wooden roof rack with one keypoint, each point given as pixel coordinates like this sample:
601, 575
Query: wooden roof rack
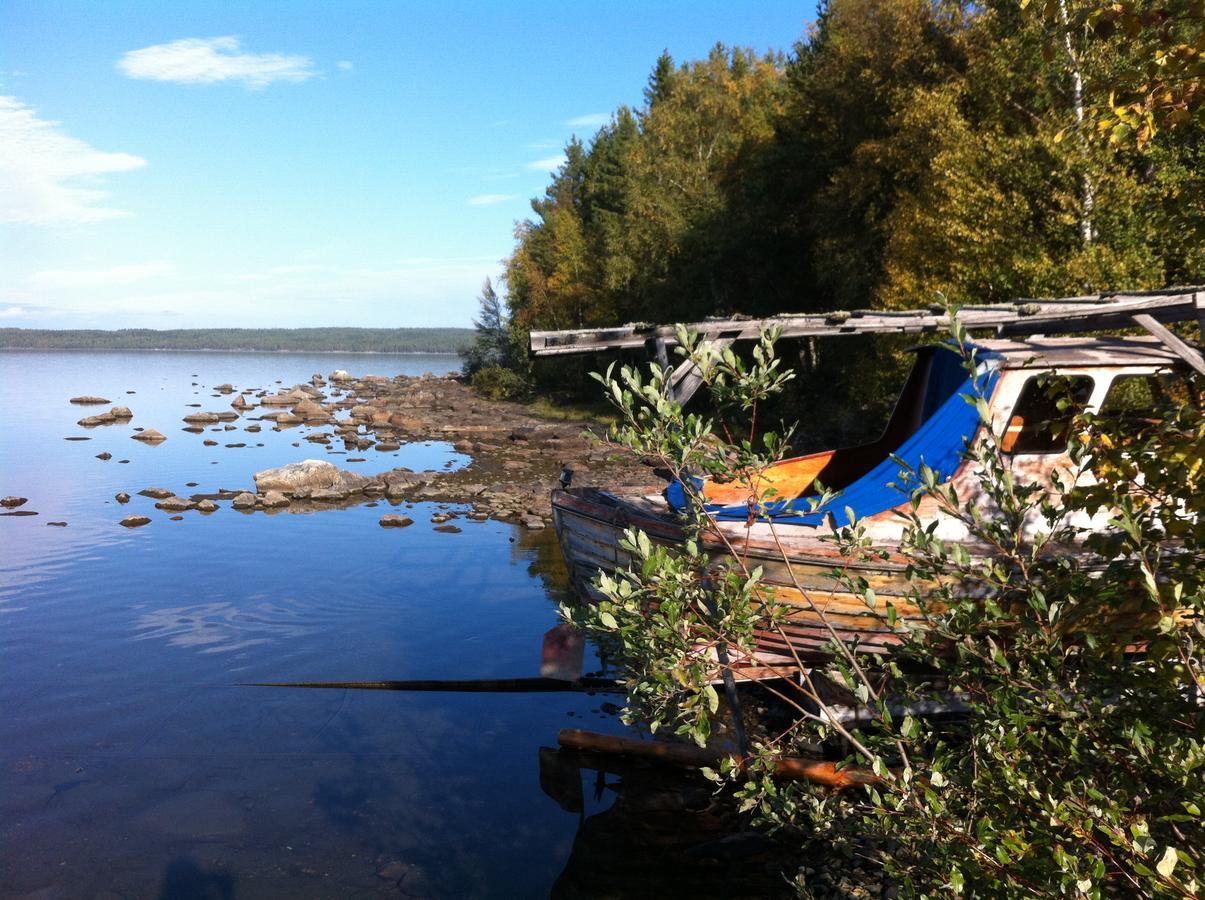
1151, 310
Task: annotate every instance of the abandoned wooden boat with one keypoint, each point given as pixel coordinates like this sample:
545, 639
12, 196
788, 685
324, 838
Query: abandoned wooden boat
931, 424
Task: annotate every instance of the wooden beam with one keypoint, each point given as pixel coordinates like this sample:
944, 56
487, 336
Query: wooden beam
1189, 354
1073, 314
687, 378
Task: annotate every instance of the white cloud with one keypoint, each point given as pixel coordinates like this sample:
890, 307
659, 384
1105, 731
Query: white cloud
41, 169
548, 163
213, 60
591, 120
490, 199
54, 279
13, 312
344, 65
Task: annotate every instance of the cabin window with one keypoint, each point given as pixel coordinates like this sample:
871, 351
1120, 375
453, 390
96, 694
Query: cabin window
1134, 398
1042, 417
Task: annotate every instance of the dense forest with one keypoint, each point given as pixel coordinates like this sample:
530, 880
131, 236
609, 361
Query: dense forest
906, 152
364, 340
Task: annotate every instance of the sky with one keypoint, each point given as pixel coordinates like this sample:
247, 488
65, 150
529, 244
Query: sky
169, 164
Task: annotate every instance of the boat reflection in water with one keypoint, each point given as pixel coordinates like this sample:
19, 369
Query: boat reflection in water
667, 831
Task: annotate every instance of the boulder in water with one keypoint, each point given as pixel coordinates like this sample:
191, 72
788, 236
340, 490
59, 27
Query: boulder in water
150, 436
89, 400
135, 521
309, 473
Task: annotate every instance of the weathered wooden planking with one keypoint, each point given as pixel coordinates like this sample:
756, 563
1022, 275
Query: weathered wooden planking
1066, 315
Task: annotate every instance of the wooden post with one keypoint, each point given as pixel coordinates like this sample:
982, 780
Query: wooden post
687, 378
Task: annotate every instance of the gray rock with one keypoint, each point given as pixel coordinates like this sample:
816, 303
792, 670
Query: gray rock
122, 497
13, 502
337, 375
174, 504
106, 456
207, 506
274, 500
135, 521
243, 501
150, 436
393, 520
121, 412
89, 400
157, 493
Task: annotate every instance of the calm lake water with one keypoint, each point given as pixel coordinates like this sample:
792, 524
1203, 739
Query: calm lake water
132, 762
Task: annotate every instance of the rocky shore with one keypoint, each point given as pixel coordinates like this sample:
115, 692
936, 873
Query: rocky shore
517, 457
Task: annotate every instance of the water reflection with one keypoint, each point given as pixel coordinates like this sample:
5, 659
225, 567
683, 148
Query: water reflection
222, 626
666, 831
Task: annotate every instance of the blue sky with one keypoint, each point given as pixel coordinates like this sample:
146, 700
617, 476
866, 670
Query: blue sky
173, 164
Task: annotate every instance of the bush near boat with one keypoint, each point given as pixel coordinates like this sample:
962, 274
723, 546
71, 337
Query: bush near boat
1075, 765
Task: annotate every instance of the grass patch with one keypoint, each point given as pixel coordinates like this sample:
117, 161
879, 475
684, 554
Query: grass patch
565, 410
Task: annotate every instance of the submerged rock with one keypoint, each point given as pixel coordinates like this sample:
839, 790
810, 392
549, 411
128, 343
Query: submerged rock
121, 497
207, 506
393, 520
105, 457
89, 400
174, 504
274, 500
135, 521
13, 502
157, 493
150, 436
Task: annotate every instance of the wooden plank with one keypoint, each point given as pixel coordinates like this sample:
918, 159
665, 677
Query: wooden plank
1189, 354
1034, 317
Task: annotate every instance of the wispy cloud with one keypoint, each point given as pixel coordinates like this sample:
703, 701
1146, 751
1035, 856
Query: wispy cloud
56, 279
213, 60
40, 167
590, 120
490, 199
548, 163
345, 65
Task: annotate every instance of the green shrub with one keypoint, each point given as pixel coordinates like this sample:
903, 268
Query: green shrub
498, 383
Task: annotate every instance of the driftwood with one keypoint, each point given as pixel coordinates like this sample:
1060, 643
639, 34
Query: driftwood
691, 757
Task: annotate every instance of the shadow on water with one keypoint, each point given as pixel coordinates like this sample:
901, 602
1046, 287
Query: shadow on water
184, 879
666, 830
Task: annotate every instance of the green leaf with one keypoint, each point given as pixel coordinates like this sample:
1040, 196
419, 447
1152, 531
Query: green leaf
1167, 864
608, 620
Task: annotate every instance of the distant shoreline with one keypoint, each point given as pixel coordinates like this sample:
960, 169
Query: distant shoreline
242, 340
225, 350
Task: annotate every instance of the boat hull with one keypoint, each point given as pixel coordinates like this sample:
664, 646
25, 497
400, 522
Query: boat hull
800, 570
